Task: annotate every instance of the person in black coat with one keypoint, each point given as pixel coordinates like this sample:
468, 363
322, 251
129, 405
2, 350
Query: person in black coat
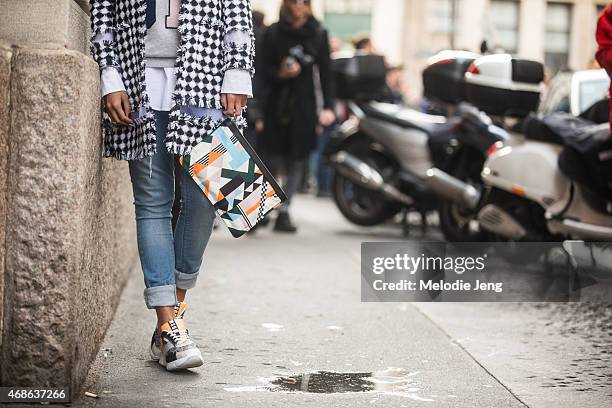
292, 48
254, 111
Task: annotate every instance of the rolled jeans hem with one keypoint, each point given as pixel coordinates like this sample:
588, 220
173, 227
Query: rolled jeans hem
185, 281
160, 296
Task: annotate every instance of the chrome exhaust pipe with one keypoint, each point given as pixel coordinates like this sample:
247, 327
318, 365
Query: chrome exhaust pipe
452, 188
581, 230
366, 176
494, 219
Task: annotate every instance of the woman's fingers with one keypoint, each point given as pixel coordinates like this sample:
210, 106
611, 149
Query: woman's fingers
111, 109
230, 107
239, 104
113, 115
234, 104
127, 108
118, 107
296, 70
224, 101
119, 112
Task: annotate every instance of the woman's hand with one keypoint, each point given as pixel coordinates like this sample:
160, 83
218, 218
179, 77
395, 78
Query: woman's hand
233, 104
288, 71
327, 117
118, 107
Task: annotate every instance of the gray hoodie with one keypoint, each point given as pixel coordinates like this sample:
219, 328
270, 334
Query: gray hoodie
163, 38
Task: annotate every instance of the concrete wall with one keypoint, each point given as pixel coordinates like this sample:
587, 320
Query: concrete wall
5, 75
67, 233
44, 23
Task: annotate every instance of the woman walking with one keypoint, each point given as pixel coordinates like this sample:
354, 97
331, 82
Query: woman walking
292, 48
171, 71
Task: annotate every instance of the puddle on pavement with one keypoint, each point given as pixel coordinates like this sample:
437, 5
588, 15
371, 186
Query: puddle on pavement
392, 381
273, 327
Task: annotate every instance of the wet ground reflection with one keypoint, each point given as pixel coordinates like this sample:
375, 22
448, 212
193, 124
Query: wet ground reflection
394, 381
326, 382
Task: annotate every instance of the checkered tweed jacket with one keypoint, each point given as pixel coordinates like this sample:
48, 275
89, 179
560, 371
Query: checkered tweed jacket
202, 59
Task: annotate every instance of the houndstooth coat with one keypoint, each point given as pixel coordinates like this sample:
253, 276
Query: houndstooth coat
202, 59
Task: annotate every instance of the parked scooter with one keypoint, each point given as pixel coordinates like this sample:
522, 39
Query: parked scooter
531, 199
528, 197
381, 158
462, 156
381, 155
475, 135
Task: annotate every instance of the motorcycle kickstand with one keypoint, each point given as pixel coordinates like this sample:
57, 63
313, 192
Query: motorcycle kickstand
405, 224
424, 225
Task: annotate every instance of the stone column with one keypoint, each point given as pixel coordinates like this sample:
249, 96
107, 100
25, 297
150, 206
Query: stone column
471, 24
419, 43
388, 26
532, 29
45, 23
270, 8
582, 34
5, 75
67, 233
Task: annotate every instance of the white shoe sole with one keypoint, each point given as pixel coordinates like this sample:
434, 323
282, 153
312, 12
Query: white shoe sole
192, 359
155, 354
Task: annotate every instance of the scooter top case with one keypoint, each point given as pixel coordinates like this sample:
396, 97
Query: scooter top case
359, 76
444, 76
504, 86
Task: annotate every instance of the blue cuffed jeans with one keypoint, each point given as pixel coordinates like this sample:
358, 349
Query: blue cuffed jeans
168, 261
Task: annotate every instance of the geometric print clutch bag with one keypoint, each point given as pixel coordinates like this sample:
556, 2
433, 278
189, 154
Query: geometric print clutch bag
233, 178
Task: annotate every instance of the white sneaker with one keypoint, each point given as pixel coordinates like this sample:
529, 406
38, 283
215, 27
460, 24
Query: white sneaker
179, 352
156, 343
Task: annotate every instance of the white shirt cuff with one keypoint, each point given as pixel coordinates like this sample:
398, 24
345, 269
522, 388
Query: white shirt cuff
110, 81
238, 82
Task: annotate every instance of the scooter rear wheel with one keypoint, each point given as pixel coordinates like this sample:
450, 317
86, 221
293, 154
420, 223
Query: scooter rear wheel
360, 205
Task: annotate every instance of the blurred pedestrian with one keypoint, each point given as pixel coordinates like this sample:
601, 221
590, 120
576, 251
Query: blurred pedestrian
322, 171
364, 44
604, 41
335, 45
292, 48
255, 108
394, 89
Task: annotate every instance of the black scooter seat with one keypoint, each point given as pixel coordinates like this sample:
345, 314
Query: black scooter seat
557, 128
404, 117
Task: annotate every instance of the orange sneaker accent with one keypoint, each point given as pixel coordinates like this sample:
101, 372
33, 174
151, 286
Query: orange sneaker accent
178, 323
180, 310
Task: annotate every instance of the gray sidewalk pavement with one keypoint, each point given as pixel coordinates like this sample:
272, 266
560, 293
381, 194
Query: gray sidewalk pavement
550, 355
271, 305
